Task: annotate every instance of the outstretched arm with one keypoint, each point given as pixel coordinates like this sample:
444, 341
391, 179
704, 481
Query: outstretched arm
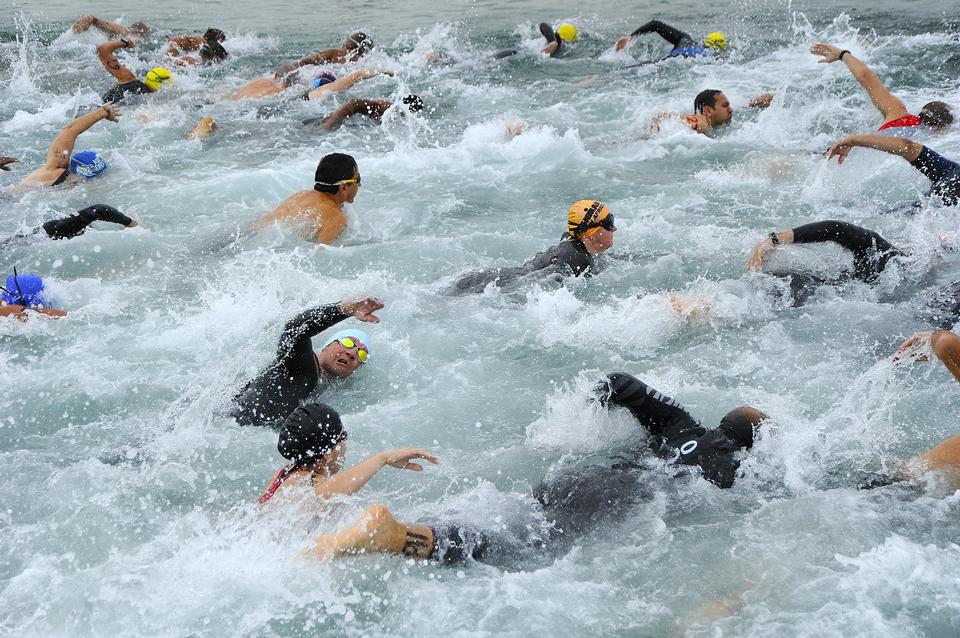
660, 414
347, 81
350, 481
907, 149
58, 155
371, 108
4, 161
110, 28
665, 31
886, 102
942, 343
320, 57
109, 61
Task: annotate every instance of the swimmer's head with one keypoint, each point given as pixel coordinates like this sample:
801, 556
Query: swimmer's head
567, 32
214, 35
592, 223
413, 103
140, 28
337, 174
324, 77
715, 40
715, 105
87, 164
311, 432
24, 290
936, 114
157, 76
212, 51
344, 353
360, 43
740, 425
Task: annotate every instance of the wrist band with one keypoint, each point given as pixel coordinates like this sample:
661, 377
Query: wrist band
774, 238
842, 53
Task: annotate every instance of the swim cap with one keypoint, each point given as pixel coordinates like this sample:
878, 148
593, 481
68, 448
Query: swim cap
359, 335
413, 102
583, 215
715, 40
87, 164
309, 432
157, 76
24, 290
324, 77
738, 424
567, 32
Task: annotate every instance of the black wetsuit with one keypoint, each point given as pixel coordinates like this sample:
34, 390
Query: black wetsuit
120, 91
278, 390
569, 257
944, 174
547, 32
679, 39
73, 225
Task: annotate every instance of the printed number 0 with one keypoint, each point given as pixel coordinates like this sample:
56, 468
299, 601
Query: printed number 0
688, 447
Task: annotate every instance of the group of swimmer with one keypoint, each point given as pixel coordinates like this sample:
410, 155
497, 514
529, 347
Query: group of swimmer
312, 436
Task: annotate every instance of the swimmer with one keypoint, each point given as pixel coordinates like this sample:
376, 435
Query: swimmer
113, 29
210, 45
934, 114
127, 82
23, 294
354, 47
683, 44
943, 173
590, 230
5, 162
943, 344
555, 39
323, 84
74, 225
297, 370
317, 214
372, 109
63, 166
711, 108
204, 129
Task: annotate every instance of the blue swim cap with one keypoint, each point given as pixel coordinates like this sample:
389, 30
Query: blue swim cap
87, 164
26, 290
355, 333
324, 77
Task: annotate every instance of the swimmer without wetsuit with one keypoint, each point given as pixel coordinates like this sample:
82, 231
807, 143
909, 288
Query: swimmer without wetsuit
569, 257
74, 225
278, 390
944, 174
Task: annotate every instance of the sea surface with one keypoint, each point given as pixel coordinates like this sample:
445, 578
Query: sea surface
127, 498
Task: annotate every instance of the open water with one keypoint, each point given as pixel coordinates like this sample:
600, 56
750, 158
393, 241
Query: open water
127, 500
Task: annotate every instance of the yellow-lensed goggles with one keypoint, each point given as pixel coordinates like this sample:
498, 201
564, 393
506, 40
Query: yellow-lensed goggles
349, 343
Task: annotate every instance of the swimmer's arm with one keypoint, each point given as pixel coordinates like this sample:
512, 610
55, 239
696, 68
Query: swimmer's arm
327, 55
371, 108
110, 28
330, 229
907, 149
886, 102
351, 480
58, 155
298, 331
946, 346
346, 82
551, 48
105, 52
20, 312
765, 247
179, 43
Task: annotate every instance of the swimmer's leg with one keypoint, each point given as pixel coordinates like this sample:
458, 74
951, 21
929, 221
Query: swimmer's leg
203, 129
74, 225
376, 531
946, 346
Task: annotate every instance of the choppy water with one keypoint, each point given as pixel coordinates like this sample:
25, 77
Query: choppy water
128, 503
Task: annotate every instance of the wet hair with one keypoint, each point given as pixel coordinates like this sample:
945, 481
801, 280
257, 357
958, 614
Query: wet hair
360, 42
413, 102
212, 52
214, 35
333, 168
704, 99
936, 114
309, 432
738, 424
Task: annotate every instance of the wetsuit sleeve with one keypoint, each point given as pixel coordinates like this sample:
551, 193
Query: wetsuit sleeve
75, 224
871, 252
660, 414
296, 349
944, 174
670, 34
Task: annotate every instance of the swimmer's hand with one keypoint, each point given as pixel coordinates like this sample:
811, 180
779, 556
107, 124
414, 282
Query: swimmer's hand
6, 160
760, 251
827, 52
841, 149
129, 43
113, 112
916, 348
761, 101
362, 308
400, 459
622, 43
133, 223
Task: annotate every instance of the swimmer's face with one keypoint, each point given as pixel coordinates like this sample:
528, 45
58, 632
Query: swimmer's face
720, 112
333, 460
599, 241
351, 190
339, 362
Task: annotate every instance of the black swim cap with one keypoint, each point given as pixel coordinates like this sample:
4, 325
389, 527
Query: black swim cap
413, 102
310, 432
738, 424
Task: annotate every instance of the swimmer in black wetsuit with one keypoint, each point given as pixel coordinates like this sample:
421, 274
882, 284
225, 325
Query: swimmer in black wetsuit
74, 225
297, 369
683, 43
590, 229
943, 173
127, 82
555, 40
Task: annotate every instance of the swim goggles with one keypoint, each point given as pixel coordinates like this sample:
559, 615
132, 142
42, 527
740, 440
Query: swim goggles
352, 180
606, 223
349, 343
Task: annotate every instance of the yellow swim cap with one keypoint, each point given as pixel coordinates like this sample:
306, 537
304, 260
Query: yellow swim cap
715, 40
584, 216
157, 76
567, 32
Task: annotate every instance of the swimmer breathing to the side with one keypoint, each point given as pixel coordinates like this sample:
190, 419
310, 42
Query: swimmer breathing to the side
354, 47
555, 39
711, 108
683, 43
23, 294
372, 109
127, 81
63, 166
